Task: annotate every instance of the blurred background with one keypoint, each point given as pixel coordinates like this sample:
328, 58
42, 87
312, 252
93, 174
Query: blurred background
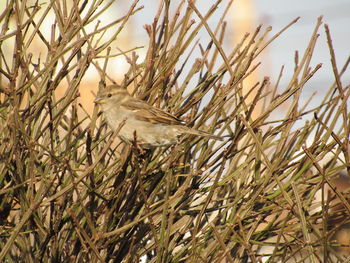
245, 16
278, 13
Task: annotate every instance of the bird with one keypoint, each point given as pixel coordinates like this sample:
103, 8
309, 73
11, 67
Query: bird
149, 126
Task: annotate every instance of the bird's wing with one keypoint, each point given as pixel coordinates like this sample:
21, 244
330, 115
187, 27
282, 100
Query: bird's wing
145, 112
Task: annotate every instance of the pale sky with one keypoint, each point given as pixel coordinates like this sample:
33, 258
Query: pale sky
335, 13
277, 13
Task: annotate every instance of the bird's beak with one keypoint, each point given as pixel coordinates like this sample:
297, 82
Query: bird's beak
99, 100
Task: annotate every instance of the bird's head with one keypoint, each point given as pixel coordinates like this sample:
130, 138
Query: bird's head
112, 94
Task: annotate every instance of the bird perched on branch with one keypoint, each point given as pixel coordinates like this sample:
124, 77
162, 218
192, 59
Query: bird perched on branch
152, 127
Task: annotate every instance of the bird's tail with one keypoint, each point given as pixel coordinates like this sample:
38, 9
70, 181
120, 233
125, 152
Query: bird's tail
202, 133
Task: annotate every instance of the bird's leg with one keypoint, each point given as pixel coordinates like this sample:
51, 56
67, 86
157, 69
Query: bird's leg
137, 149
135, 145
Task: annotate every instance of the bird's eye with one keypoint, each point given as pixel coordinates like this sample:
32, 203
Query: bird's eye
109, 95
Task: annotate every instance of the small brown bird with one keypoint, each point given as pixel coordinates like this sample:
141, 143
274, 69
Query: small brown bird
153, 127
